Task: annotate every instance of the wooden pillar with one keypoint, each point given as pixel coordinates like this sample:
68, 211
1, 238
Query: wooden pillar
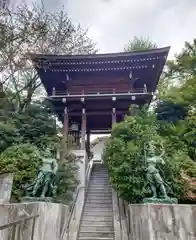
88, 143
113, 116
66, 126
113, 110
83, 129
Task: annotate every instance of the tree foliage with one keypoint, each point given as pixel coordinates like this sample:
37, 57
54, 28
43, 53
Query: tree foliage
34, 30
183, 66
139, 44
171, 123
27, 123
66, 178
23, 138
23, 161
125, 158
36, 126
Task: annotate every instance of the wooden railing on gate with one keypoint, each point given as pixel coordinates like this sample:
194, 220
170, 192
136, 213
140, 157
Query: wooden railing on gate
95, 90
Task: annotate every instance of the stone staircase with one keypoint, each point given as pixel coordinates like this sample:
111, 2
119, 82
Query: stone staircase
97, 218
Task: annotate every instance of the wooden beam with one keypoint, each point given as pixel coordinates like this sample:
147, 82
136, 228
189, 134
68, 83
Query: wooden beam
66, 126
98, 113
83, 130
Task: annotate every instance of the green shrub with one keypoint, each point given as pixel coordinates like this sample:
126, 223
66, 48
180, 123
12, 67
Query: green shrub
23, 160
66, 179
124, 156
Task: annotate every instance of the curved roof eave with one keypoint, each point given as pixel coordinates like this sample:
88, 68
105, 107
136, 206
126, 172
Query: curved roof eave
94, 56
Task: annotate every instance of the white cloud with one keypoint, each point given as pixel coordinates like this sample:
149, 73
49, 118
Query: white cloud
112, 23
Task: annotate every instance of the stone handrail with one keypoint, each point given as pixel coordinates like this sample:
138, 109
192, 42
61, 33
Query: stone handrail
66, 226
19, 221
122, 218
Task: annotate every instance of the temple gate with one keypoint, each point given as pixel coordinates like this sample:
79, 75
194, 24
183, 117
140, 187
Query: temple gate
90, 93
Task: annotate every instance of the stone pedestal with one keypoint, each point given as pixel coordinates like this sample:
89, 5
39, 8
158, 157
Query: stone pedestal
160, 200
6, 181
162, 222
36, 199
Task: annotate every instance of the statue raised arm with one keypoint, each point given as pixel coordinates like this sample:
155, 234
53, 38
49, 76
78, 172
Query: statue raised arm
44, 185
157, 184
152, 173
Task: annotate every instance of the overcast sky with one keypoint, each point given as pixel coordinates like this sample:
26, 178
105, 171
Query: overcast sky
112, 23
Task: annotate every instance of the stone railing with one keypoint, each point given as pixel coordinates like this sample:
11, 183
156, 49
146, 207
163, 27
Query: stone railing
17, 222
70, 227
157, 221
32, 221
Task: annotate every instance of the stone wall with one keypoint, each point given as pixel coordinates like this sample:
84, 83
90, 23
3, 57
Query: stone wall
48, 225
162, 222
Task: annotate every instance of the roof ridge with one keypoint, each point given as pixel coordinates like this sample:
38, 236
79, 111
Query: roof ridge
102, 55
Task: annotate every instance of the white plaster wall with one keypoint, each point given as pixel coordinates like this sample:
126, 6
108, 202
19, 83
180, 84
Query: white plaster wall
98, 149
81, 163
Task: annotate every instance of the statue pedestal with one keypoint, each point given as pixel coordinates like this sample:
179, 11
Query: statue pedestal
160, 201
36, 199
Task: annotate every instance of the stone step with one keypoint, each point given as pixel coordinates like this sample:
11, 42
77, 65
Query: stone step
93, 238
98, 218
98, 189
99, 169
99, 184
103, 197
103, 209
104, 184
99, 173
96, 234
98, 203
92, 228
99, 193
93, 198
96, 206
99, 179
100, 198
107, 189
96, 223
91, 213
